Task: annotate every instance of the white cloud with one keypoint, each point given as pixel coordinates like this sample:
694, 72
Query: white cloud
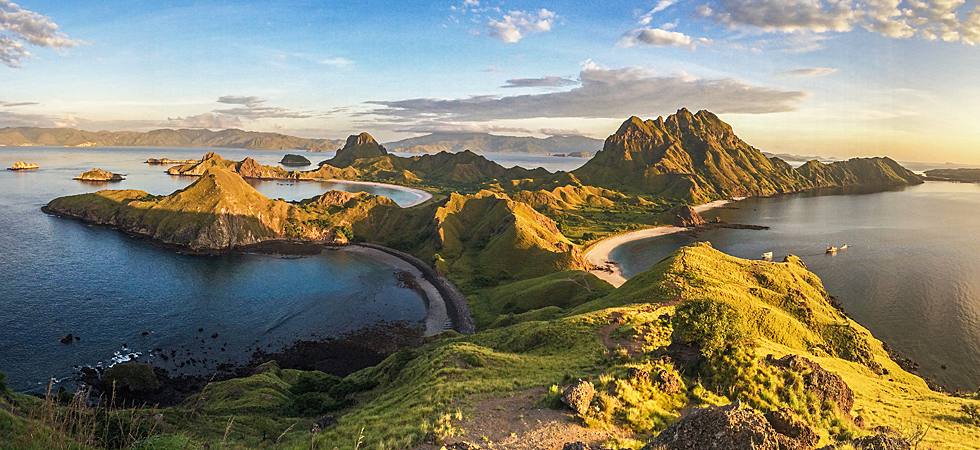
604, 93
206, 120
518, 24
493, 69
948, 20
253, 107
562, 132
549, 81
19, 26
815, 72
662, 5
461, 127
660, 38
341, 63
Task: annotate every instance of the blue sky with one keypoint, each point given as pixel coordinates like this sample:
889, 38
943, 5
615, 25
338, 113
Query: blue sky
813, 77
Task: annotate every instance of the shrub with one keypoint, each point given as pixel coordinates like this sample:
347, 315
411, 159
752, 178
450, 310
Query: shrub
712, 324
4, 389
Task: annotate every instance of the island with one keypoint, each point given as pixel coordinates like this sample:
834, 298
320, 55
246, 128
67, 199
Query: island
963, 175
20, 165
294, 160
98, 175
701, 348
168, 161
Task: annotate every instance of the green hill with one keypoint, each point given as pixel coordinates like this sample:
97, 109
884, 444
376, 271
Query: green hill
698, 158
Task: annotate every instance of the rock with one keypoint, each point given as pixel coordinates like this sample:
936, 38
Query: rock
685, 216
99, 175
582, 446
718, 427
793, 433
826, 386
294, 160
67, 339
21, 165
131, 376
668, 382
578, 396
325, 421
462, 446
885, 439
638, 374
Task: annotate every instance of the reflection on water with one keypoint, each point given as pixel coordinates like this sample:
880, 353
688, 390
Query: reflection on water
910, 273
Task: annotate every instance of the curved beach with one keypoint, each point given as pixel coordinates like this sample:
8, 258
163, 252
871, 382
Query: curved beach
424, 196
598, 255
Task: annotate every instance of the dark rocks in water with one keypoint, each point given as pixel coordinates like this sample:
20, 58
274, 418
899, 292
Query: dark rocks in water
685, 216
67, 339
133, 377
145, 333
214, 336
294, 160
721, 427
824, 385
578, 396
793, 432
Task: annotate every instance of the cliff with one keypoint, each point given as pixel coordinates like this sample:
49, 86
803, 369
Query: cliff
358, 146
697, 158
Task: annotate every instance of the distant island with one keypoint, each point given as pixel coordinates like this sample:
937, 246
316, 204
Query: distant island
701, 348
188, 138
20, 165
485, 142
573, 155
964, 175
168, 161
99, 175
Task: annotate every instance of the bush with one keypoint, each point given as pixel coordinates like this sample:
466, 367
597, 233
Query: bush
314, 382
4, 388
713, 325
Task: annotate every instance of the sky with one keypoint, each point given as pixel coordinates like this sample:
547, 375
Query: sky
835, 78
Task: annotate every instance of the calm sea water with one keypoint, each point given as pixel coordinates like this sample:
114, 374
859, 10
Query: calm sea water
910, 274
60, 276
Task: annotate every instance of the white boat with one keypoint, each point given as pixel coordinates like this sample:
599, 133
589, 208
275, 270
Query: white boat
767, 256
843, 247
832, 250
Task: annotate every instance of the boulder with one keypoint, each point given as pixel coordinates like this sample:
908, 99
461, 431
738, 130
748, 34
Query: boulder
794, 434
578, 396
67, 339
824, 385
132, 377
668, 382
685, 216
726, 427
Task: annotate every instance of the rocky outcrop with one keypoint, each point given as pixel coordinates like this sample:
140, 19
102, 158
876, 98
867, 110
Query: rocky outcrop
793, 433
885, 438
99, 175
294, 160
579, 396
358, 146
726, 427
685, 216
20, 165
824, 385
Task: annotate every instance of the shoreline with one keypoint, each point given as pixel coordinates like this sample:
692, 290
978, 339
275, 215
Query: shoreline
424, 195
598, 254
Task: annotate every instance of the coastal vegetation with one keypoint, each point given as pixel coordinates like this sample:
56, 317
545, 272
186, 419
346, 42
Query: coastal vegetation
698, 329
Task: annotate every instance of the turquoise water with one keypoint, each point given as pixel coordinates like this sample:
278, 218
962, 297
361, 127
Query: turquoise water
910, 274
60, 276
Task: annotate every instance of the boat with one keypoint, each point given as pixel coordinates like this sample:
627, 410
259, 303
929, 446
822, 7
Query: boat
843, 247
832, 250
767, 256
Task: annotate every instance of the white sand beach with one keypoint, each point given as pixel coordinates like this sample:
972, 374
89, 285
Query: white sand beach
424, 195
598, 255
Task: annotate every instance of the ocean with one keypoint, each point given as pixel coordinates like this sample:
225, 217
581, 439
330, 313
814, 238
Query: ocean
910, 274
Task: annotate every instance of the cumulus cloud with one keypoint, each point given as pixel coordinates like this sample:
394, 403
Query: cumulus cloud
460, 127
948, 20
660, 38
562, 132
252, 107
17, 119
206, 120
19, 26
549, 81
517, 24
604, 93
815, 72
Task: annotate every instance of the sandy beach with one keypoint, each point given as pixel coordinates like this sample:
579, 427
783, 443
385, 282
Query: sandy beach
437, 317
598, 255
424, 195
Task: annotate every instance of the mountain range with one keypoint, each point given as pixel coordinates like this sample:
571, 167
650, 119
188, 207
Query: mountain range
184, 138
485, 142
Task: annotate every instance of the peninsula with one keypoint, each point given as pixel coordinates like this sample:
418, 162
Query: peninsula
757, 350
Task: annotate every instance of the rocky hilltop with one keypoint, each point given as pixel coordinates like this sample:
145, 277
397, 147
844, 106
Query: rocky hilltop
358, 146
99, 175
196, 138
697, 157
